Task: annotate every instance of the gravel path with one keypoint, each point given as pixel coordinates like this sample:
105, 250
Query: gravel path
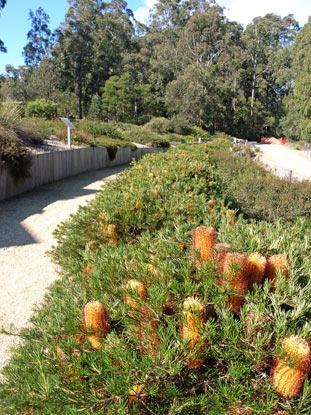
281, 157
26, 226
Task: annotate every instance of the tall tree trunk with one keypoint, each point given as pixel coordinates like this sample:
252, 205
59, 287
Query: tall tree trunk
80, 91
253, 93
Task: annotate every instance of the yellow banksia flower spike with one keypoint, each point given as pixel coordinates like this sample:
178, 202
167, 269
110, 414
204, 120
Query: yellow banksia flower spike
134, 289
152, 269
136, 394
290, 370
277, 263
111, 231
95, 322
194, 314
235, 274
257, 265
203, 243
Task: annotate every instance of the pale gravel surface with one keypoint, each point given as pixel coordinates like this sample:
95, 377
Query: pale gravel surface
281, 157
26, 226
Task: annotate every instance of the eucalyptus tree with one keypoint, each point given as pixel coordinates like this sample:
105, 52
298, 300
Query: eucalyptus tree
302, 84
39, 38
89, 45
2, 47
74, 49
201, 91
265, 39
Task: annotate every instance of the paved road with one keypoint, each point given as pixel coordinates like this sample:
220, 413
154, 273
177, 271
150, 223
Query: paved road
282, 157
26, 226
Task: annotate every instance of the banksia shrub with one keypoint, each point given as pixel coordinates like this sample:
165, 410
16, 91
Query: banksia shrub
290, 370
235, 274
194, 316
95, 322
257, 265
277, 263
203, 242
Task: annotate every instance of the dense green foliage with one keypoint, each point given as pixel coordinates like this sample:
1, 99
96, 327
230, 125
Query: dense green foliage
258, 193
40, 108
154, 207
190, 61
14, 153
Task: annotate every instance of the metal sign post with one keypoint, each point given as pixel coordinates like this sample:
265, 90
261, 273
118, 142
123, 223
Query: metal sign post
69, 127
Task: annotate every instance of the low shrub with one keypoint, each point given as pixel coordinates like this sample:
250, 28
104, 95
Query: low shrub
40, 108
112, 145
258, 193
43, 127
77, 137
199, 132
10, 114
167, 340
29, 136
97, 129
180, 126
159, 125
141, 135
14, 153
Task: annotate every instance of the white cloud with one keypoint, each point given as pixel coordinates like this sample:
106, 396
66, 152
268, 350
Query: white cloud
142, 13
243, 11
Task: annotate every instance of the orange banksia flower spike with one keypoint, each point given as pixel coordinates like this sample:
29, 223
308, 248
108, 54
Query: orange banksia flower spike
235, 274
203, 243
290, 370
221, 250
257, 265
95, 322
277, 263
194, 314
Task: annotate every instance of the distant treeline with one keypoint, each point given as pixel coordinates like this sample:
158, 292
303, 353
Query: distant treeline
190, 61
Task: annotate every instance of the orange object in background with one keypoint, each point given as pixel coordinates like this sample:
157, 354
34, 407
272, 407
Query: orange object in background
273, 140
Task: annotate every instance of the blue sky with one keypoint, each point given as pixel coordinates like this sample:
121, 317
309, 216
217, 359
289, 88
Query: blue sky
14, 23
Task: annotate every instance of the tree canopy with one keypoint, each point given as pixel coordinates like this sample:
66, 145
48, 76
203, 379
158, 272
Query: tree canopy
189, 61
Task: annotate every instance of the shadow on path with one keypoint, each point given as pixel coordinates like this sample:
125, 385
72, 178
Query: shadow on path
17, 209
